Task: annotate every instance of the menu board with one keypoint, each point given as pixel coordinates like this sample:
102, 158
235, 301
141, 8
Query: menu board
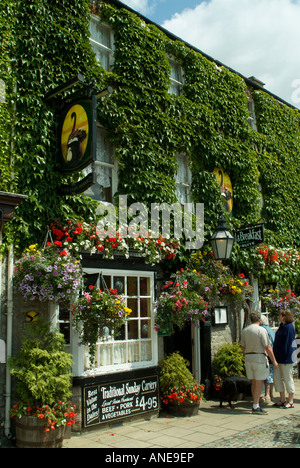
110, 402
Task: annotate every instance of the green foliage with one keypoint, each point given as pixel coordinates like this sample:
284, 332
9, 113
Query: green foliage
174, 372
42, 366
229, 361
46, 42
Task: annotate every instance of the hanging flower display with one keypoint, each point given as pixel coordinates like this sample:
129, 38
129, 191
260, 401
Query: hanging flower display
192, 295
99, 313
80, 236
277, 300
48, 274
187, 299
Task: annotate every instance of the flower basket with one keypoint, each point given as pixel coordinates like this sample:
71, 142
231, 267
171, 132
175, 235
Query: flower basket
277, 300
187, 299
30, 433
48, 274
97, 313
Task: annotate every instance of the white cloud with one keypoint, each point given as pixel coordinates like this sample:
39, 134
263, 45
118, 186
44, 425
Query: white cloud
254, 37
142, 6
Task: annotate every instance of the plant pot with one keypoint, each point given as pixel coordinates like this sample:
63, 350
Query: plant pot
184, 409
30, 433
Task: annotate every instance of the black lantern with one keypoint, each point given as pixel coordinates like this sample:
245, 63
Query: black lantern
222, 240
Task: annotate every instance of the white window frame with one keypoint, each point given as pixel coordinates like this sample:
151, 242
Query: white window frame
80, 353
183, 183
251, 110
114, 166
109, 51
173, 82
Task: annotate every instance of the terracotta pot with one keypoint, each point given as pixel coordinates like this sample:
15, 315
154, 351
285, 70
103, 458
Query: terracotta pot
30, 433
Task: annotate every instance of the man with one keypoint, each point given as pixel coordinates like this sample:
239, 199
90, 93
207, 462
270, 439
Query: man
256, 347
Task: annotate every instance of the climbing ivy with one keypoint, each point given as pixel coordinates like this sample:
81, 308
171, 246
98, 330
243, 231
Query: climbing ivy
147, 126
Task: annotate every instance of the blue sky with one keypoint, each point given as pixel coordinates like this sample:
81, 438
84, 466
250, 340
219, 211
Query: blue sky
163, 10
254, 37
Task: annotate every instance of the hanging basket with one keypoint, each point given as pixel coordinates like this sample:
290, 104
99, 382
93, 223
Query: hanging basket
30, 433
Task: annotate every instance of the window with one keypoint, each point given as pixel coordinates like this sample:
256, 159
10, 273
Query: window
102, 42
136, 344
183, 179
105, 168
176, 78
251, 110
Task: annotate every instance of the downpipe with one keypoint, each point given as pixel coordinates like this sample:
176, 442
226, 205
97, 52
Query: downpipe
9, 334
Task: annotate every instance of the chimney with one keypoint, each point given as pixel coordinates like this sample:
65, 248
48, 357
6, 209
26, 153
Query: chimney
257, 81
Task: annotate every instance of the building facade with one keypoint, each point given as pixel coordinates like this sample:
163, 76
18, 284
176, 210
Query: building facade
178, 128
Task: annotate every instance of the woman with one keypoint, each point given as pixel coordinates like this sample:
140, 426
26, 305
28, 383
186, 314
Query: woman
284, 352
269, 383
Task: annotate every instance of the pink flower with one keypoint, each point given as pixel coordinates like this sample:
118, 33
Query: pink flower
87, 296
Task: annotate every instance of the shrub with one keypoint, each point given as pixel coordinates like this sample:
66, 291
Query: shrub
229, 360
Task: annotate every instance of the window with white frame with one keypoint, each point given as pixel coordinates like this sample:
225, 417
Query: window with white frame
251, 110
176, 78
183, 179
105, 168
102, 40
135, 345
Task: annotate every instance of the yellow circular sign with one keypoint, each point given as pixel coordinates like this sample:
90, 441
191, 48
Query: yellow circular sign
226, 187
32, 316
74, 136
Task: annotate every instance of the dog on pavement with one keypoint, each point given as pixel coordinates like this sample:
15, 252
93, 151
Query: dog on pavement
233, 386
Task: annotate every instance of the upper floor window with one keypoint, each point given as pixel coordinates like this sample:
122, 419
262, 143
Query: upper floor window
102, 41
105, 168
183, 179
176, 78
251, 110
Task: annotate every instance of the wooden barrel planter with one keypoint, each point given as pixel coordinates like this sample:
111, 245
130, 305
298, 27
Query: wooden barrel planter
184, 409
30, 433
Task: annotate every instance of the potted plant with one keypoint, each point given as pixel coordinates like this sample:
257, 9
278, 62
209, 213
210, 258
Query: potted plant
180, 392
42, 368
48, 274
98, 313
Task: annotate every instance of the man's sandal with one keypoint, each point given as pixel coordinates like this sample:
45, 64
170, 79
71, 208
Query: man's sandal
279, 404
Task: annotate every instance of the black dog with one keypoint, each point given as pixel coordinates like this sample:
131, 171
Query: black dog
233, 386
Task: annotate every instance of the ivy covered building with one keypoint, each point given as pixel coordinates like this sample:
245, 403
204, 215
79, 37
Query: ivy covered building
175, 120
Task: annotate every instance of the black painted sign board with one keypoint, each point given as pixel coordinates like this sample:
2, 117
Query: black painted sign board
110, 402
249, 237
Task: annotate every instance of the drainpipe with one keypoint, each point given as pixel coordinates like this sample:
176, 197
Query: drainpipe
9, 332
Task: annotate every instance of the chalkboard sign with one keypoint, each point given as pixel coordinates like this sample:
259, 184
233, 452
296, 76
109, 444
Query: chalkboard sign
117, 400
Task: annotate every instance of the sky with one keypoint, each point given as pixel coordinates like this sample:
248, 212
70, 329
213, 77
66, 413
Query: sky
258, 38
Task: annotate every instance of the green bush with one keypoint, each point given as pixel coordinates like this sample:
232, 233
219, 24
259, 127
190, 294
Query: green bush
229, 360
174, 372
42, 367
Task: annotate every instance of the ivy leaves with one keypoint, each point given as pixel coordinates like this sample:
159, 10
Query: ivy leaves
45, 43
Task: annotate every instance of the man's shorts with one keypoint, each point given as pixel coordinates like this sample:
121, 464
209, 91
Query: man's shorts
257, 370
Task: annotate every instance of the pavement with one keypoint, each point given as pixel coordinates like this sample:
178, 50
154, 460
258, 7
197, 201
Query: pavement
213, 427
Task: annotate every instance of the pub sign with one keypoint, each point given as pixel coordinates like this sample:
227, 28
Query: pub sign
77, 134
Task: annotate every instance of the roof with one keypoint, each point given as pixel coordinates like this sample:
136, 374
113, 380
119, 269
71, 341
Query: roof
252, 81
